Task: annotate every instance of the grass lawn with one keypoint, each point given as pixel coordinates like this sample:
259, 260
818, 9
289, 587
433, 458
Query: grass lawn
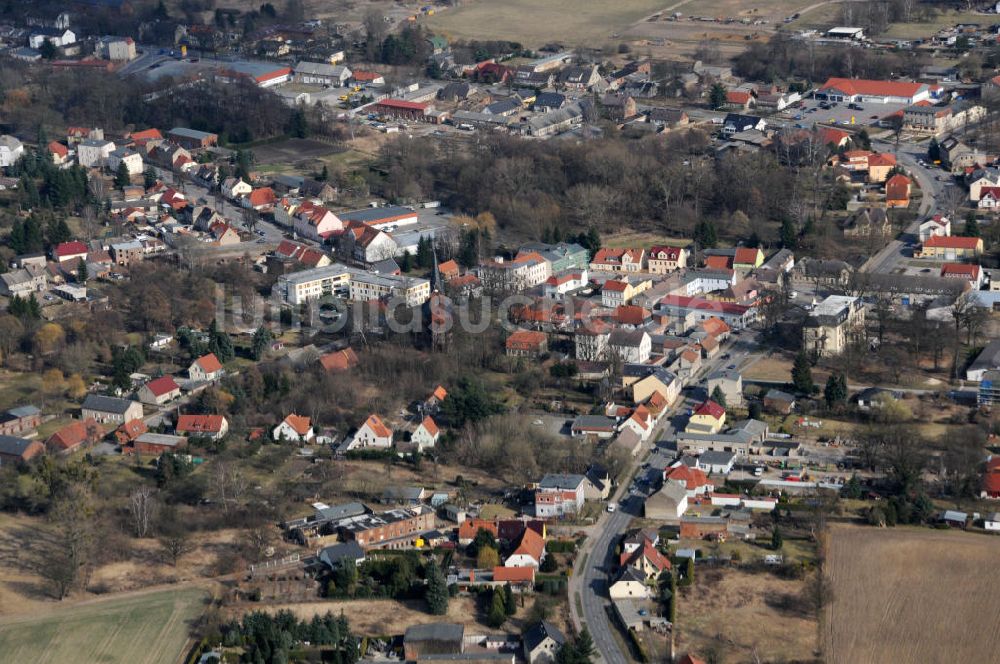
944, 19
146, 628
641, 239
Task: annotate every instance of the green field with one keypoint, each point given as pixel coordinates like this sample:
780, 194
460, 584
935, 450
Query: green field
148, 628
534, 22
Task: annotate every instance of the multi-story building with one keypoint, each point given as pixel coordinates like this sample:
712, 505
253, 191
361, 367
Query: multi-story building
131, 159
527, 270
832, 324
395, 529
663, 260
11, 150
563, 256
350, 283
619, 260
94, 153
116, 49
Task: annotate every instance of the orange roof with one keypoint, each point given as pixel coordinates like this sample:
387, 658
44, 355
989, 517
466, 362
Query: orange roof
525, 339
715, 326
262, 196
365, 75
746, 256
514, 574
693, 478
209, 363
146, 135
615, 286
75, 434
860, 86
630, 314
468, 528
719, 262
449, 268
737, 96
300, 423
439, 393
881, 159
55, 147
378, 427
656, 402
340, 360
960, 270
195, 424
430, 426
952, 242
531, 544
130, 430
830, 135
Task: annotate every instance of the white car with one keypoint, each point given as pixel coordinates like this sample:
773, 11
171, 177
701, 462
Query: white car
612, 507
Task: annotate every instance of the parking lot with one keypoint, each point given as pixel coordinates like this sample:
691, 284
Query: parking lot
811, 111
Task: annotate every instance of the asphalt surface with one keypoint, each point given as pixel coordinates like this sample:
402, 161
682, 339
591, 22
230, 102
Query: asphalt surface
591, 579
933, 190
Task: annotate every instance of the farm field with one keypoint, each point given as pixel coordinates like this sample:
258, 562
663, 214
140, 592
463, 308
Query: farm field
733, 615
881, 580
571, 22
145, 628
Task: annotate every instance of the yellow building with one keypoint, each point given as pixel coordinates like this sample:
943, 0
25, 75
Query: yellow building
709, 417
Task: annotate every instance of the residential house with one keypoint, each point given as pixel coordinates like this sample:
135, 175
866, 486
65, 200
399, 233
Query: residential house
372, 433
295, 428
657, 380
630, 345
74, 436
260, 199
434, 641
730, 383
740, 100
897, 191
667, 118
213, 427
597, 426
426, 434
709, 417
666, 259
630, 584
337, 361
127, 156
15, 450
559, 494
647, 560
94, 153
597, 484
317, 223
832, 324
58, 37
529, 551
233, 188
776, 401
969, 272
526, 343
619, 260
66, 251
22, 282
206, 368
735, 123
542, 642
717, 463
159, 391
110, 410
58, 152
581, 77
880, 165
321, 73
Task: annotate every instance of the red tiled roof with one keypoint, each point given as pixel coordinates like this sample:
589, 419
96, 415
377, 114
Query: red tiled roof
378, 427
146, 135
745, 256
340, 360
665, 253
55, 147
737, 97
719, 262
830, 135
448, 268
439, 393
468, 528
365, 75
209, 363
75, 434
531, 544
430, 426
860, 86
952, 242
615, 286
693, 478
960, 270
711, 409
513, 574
630, 314
881, 159
300, 423
195, 424
402, 104
525, 339
162, 385
73, 248
130, 430
262, 196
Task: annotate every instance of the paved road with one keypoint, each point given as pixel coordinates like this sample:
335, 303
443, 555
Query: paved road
590, 580
932, 189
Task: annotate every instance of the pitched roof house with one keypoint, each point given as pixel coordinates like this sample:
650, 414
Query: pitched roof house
213, 427
294, 427
373, 433
206, 368
159, 391
72, 436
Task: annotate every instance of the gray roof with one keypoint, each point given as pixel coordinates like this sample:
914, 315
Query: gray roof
674, 491
435, 632
190, 133
550, 100
343, 511
622, 337
377, 214
161, 439
561, 481
13, 446
593, 422
631, 573
952, 515
322, 69
713, 458
541, 631
989, 358
15, 277
778, 395
107, 404
24, 411
333, 555
503, 106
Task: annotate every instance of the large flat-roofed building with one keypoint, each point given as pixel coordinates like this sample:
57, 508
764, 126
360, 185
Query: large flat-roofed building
881, 92
395, 529
833, 322
192, 138
350, 283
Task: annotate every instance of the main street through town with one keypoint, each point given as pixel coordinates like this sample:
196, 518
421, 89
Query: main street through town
588, 590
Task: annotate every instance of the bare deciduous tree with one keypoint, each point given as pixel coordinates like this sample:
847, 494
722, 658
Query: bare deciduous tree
142, 510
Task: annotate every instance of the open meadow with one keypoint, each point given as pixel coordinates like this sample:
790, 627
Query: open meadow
142, 628
911, 595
